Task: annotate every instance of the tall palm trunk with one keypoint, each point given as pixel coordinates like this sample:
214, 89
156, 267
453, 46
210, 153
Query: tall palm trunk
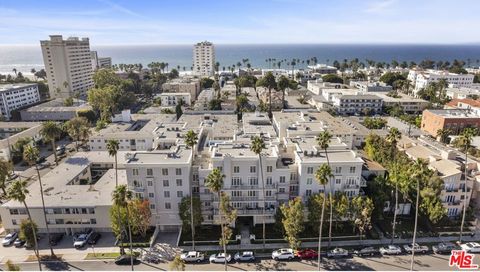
331, 204
464, 195
119, 222
283, 99
54, 148
395, 213
130, 236
320, 230
415, 227
44, 211
191, 204
263, 197
35, 243
270, 103
222, 230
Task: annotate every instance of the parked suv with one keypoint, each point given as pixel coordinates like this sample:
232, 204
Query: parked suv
82, 239
283, 254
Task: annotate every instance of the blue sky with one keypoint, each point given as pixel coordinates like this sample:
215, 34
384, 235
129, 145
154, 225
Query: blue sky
109, 22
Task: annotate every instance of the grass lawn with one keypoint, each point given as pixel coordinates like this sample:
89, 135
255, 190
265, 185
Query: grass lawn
33, 257
205, 233
102, 255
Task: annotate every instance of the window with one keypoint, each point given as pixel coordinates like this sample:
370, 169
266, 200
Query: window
236, 169
152, 206
253, 169
93, 221
269, 169
352, 169
338, 180
165, 171
308, 192
220, 168
338, 169
151, 195
309, 181
282, 179
149, 172
252, 181
281, 190
268, 193
309, 170
135, 171
269, 181
14, 222
149, 183
252, 193
168, 205
179, 182
178, 171
165, 183
166, 194
179, 194
236, 181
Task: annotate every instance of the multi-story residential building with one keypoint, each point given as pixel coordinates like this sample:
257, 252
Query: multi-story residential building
469, 104
366, 86
77, 193
462, 93
68, 64
54, 110
204, 59
16, 96
11, 132
173, 99
357, 104
100, 62
407, 103
322, 69
183, 85
317, 86
421, 78
453, 119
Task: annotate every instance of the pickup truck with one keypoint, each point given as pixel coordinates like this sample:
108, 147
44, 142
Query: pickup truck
192, 256
415, 247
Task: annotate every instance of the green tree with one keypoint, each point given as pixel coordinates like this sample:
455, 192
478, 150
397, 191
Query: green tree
5, 168
112, 147
393, 137
206, 83
364, 205
121, 196
322, 175
282, 84
177, 264
390, 77
332, 78
88, 114
229, 216
443, 134
31, 155
18, 192
268, 82
186, 215
11, 266
257, 146
191, 140
140, 215
78, 128
50, 131
106, 77
293, 221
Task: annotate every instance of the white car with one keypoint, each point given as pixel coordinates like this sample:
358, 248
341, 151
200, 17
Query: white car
9, 239
391, 250
283, 254
472, 247
192, 256
416, 247
220, 258
337, 253
81, 240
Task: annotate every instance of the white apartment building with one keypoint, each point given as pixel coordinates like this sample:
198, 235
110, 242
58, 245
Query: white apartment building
173, 99
462, 93
11, 132
409, 104
421, 78
317, 86
366, 86
183, 85
357, 104
15, 96
204, 59
68, 64
99, 62
322, 69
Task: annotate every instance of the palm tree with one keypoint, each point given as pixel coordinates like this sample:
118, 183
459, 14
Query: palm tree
268, 81
282, 84
50, 131
323, 175
15, 71
191, 139
419, 173
18, 191
214, 181
112, 148
121, 197
466, 138
78, 128
443, 135
323, 141
258, 145
31, 155
5, 168
393, 137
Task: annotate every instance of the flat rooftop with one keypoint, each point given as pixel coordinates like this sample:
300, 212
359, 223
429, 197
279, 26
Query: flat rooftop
58, 104
402, 98
176, 155
8, 87
454, 113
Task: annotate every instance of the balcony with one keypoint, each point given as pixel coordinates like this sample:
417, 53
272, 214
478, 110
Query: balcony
252, 211
136, 189
351, 186
453, 203
206, 196
250, 187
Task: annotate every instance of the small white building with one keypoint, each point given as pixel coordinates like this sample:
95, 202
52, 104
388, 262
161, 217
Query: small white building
365, 86
16, 96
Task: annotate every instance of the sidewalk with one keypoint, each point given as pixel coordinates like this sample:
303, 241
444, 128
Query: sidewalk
358, 243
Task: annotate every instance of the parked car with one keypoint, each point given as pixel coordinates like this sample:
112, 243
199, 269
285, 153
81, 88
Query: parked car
9, 239
192, 256
337, 253
283, 254
55, 238
246, 256
391, 250
416, 247
366, 251
220, 258
19, 242
12, 176
444, 248
306, 254
94, 237
41, 159
81, 240
472, 247
126, 260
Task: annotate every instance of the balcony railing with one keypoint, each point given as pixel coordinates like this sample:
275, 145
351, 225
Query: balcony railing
245, 211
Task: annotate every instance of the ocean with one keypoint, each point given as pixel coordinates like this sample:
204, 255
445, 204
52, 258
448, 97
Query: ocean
24, 58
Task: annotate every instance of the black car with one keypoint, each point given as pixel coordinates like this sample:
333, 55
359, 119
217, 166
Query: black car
125, 260
366, 251
94, 237
444, 248
41, 159
55, 238
18, 242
